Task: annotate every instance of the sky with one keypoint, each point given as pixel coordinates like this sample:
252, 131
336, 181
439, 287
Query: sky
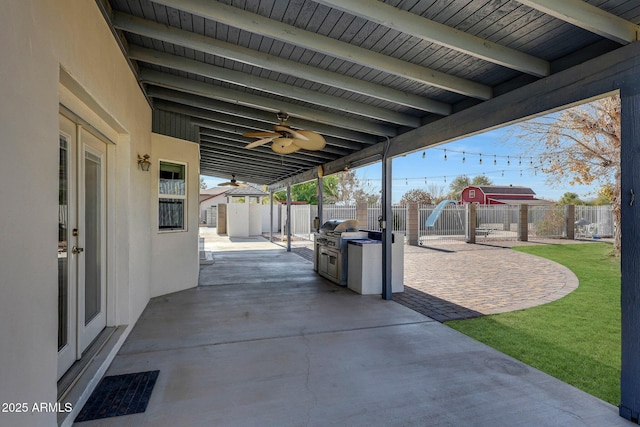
415, 171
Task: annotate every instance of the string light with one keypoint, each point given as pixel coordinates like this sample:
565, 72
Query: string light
480, 158
463, 157
508, 161
495, 162
502, 173
519, 161
424, 154
445, 154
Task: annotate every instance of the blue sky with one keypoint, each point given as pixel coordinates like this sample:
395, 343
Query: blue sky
412, 171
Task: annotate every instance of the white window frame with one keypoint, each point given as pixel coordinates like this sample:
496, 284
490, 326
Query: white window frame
170, 195
472, 194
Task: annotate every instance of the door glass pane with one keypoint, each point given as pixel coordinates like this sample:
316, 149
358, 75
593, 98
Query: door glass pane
93, 198
63, 276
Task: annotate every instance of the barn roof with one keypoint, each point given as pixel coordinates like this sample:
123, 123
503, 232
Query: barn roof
509, 189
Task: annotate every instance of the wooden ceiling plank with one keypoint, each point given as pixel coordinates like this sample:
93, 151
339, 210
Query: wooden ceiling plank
588, 17
219, 48
270, 28
431, 31
265, 85
229, 95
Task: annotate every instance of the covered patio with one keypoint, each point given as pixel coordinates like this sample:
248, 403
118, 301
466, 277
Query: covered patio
293, 349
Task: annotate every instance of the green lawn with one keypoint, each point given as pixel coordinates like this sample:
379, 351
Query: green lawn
575, 339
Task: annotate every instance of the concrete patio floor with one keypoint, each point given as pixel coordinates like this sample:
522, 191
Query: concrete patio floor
264, 341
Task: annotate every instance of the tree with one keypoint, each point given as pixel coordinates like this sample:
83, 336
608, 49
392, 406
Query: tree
352, 190
461, 182
570, 198
308, 191
581, 145
203, 185
418, 196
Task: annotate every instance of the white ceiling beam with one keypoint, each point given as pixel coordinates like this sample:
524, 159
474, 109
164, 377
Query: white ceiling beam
229, 95
254, 58
431, 31
588, 17
270, 86
257, 24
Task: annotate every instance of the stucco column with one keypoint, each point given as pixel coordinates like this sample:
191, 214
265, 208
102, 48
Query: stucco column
222, 218
413, 224
569, 221
523, 224
472, 220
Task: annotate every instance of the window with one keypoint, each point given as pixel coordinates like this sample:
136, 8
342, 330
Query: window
172, 196
472, 194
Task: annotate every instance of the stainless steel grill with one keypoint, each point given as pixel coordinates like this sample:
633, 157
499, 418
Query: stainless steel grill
330, 248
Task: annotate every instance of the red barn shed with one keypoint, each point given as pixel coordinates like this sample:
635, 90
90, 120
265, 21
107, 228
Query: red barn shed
500, 195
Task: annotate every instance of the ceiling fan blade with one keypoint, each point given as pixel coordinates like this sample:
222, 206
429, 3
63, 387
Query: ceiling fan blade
314, 141
261, 134
294, 133
259, 142
284, 146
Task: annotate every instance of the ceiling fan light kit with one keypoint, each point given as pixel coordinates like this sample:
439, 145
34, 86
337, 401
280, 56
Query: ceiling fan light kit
286, 140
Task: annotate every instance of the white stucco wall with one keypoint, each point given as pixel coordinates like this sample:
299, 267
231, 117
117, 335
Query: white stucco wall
238, 219
175, 253
39, 38
255, 219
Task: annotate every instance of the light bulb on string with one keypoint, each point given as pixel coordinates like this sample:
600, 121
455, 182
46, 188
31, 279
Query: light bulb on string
519, 161
508, 161
531, 161
463, 157
445, 179
520, 172
445, 154
502, 173
406, 181
495, 162
480, 158
424, 154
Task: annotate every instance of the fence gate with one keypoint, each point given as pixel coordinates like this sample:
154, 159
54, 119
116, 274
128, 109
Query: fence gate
446, 224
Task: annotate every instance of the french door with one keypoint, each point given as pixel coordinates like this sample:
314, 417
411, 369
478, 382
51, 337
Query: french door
81, 241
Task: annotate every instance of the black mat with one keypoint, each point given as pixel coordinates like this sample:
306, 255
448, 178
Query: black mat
119, 395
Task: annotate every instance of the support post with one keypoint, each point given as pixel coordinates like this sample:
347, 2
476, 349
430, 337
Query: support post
569, 221
288, 217
271, 216
413, 224
222, 218
387, 228
472, 221
523, 224
320, 202
630, 248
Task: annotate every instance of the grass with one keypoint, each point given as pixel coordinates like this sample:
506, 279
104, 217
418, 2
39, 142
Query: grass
576, 338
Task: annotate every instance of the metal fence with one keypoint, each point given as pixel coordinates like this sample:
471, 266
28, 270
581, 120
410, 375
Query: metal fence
449, 224
399, 213
497, 222
547, 221
594, 221
494, 222
338, 212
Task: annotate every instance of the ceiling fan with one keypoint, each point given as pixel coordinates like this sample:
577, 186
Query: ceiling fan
285, 140
232, 183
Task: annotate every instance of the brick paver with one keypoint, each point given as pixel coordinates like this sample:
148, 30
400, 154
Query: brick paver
448, 281
458, 281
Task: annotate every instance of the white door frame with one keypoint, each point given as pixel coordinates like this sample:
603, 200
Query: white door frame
82, 146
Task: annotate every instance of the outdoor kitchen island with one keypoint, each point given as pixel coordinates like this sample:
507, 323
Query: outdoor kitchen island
333, 250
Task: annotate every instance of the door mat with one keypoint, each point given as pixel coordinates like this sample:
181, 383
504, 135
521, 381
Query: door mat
119, 395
